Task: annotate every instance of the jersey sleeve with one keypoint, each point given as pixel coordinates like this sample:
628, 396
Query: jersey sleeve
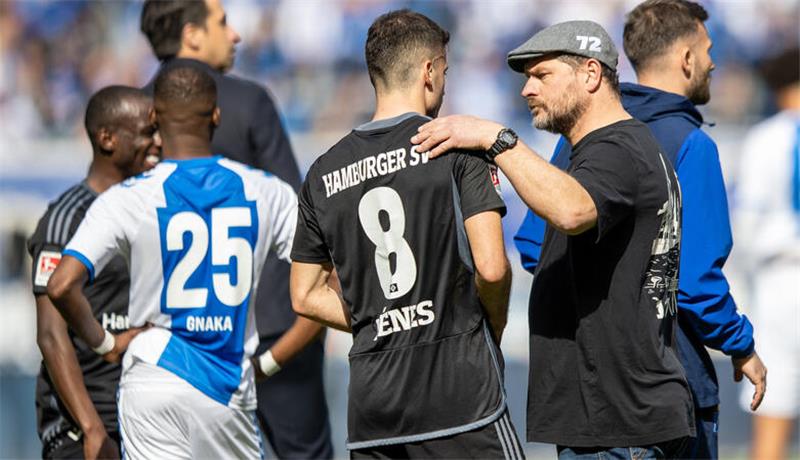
284, 220
102, 233
478, 185
309, 244
609, 176
45, 256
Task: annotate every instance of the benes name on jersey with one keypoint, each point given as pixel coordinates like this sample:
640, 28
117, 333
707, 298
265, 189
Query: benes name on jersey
370, 167
404, 318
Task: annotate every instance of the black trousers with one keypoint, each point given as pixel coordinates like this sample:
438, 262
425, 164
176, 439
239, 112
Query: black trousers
292, 410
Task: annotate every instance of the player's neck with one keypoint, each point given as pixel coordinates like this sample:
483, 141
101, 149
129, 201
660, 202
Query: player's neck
102, 177
185, 147
664, 81
605, 111
392, 104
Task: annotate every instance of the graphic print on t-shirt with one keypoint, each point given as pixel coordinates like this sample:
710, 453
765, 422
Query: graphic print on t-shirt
661, 279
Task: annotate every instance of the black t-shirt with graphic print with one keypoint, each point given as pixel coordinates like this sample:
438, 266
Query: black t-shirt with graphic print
108, 296
423, 364
603, 364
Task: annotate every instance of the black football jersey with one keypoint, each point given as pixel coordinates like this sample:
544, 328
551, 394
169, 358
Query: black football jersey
423, 364
108, 296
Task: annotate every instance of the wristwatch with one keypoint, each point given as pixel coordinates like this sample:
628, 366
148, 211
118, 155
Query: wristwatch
506, 139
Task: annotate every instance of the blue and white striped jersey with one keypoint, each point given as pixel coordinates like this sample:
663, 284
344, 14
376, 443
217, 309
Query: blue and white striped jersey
195, 234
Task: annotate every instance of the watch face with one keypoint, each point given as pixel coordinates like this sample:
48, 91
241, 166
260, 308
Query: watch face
508, 137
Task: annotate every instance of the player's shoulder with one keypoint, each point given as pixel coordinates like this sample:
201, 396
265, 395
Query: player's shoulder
147, 179
698, 138
400, 129
254, 91
71, 197
60, 212
253, 176
777, 125
137, 189
769, 142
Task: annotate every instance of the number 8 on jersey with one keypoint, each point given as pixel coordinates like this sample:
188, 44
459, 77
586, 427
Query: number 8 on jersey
388, 240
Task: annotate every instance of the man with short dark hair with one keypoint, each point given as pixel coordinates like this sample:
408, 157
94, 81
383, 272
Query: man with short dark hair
291, 403
195, 231
668, 46
76, 390
418, 247
604, 375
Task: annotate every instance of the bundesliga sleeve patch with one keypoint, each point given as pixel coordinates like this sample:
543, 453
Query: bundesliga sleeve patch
45, 266
495, 179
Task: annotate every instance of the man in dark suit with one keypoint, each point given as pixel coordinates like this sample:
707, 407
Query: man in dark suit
197, 34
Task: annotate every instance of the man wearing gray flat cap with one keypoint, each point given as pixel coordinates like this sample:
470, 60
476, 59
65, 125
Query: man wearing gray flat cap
604, 375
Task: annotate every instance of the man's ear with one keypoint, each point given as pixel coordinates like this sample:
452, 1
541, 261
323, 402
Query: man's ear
687, 61
216, 117
594, 74
190, 36
151, 116
428, 73
106, 140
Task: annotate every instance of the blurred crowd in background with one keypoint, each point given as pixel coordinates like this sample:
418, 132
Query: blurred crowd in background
309, 53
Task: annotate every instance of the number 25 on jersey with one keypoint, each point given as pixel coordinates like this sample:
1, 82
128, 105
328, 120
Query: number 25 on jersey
223, 247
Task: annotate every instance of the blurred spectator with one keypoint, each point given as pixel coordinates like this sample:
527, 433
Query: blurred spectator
769, 227
55, 54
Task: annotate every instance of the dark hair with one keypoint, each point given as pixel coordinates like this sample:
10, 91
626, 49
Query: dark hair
394, 40
654, 25
782, 70
162, 23
110, 107
609, 75
185, 88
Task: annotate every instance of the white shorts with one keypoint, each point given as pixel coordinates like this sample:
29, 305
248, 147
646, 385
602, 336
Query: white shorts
163, 416
776, 320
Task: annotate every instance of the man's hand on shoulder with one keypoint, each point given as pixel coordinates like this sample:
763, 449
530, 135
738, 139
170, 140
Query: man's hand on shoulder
456, 132
755, 371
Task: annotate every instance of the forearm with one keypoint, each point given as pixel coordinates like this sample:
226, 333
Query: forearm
67, 378
715, 320
324, 306
77, 312
293, 341
494, 297
62, 365
548, 191
315, 295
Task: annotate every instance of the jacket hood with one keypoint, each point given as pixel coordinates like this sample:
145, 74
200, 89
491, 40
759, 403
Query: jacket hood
649, 104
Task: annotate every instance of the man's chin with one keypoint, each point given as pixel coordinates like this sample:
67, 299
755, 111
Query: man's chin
701, 98
540, 122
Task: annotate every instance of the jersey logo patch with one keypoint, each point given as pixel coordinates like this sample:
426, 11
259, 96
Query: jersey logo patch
45, 266
495, 179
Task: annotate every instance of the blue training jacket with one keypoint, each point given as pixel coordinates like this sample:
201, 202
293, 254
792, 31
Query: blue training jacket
707, 313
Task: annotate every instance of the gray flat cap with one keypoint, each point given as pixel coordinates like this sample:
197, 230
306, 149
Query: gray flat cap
582, 38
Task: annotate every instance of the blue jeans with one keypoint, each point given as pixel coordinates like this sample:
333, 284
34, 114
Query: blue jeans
663, 450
